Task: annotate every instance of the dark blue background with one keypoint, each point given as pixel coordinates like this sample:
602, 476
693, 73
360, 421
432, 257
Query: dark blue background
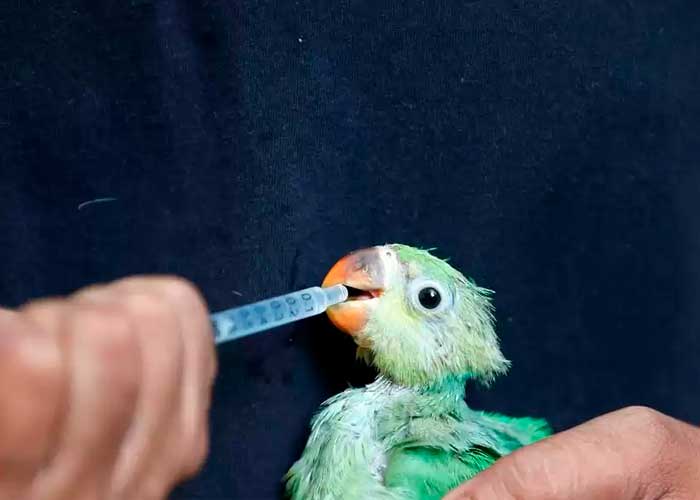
551, 148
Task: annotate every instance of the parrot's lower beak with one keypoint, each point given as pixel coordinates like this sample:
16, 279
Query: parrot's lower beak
363, 273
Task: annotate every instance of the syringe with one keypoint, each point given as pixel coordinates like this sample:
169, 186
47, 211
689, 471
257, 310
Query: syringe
245, 320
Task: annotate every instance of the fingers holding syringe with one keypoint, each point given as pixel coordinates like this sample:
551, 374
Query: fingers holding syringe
112, 390
199, 366
169, 437
101, 373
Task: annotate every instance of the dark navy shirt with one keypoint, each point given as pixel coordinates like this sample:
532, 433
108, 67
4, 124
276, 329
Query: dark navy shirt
551, 149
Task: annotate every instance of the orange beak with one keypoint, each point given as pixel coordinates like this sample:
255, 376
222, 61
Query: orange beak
364, 274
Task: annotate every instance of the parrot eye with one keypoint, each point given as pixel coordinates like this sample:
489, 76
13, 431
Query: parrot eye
429, 296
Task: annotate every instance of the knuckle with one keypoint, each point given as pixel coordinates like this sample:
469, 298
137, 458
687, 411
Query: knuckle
40, 307
101, 323
147, 305
91, 291
155, 319
654, 423
657, 438
34, 360
183, 292
108, 332
44, 315
169, 286
644, 415
44, 365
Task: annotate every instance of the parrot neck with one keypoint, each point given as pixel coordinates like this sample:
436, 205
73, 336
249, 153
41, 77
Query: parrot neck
451, 387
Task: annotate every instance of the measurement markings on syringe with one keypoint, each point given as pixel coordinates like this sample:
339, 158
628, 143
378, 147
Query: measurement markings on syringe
293, 310
245, 320
226, 330
245, 315
277, 314
274, 311
307, 298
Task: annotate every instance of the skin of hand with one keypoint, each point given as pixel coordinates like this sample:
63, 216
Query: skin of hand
105, 394
632, 454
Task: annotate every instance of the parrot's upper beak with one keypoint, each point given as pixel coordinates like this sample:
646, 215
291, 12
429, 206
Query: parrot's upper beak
364, 273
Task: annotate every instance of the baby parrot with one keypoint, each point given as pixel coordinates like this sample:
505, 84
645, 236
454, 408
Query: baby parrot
409, 435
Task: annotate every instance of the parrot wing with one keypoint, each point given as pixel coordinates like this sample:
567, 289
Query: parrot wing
436, 455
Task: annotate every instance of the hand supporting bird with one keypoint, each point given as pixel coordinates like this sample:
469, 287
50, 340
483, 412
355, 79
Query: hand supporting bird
632, 454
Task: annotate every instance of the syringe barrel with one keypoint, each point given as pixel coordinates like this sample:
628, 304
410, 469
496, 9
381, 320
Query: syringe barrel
265, 314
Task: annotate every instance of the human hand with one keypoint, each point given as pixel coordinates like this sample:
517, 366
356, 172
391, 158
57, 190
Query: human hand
105, 394
631, 454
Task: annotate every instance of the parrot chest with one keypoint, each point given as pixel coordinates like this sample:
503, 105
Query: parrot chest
402, 442
422, 447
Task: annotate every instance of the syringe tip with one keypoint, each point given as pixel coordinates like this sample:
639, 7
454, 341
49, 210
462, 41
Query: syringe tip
335, 294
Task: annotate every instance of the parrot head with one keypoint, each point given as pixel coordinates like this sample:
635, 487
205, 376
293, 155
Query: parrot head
415, 317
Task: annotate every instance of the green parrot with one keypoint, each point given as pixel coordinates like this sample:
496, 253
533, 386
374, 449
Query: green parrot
409, 435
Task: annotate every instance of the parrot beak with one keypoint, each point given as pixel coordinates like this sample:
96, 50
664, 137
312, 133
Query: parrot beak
364, 273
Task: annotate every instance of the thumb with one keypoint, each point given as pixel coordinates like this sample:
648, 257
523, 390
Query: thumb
631, 454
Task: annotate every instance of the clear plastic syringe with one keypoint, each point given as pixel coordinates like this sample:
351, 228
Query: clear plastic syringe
253, 318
